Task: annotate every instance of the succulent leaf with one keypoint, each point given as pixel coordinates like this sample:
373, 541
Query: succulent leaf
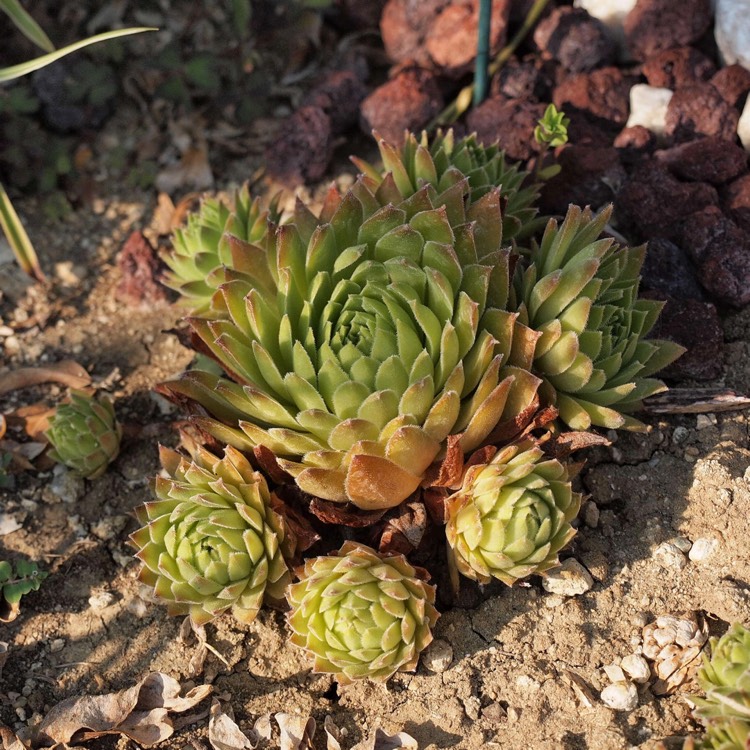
84, 434
511, 516
360, 614
210, 541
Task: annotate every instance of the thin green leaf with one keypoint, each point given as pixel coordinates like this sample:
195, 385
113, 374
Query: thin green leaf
22, 69
26, 24
18, 239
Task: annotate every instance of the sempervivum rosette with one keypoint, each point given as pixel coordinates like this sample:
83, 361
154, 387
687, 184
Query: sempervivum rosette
210, 541
511, 516
360, 614
215, 239
580, 294
362, 338
444, 162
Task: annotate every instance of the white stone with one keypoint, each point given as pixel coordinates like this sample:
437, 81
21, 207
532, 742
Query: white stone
704, 421
612, 14
438, 656
66, 485
568, 579
669, 556
703, 548
614, 673
636, 667
682, 543
102, 600
648, 107
732, 31
743, 126
622, 696
57, 645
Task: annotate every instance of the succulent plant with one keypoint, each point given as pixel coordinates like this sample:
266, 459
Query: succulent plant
443, 163
579, 293
511, 516
85, 435
726, 677
210, 540
731, 734
215, 240
360, 614
362, 338
16, 583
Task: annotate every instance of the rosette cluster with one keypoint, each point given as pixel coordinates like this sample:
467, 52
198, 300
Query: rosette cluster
511, 516
85, 434
361, 614
210, 542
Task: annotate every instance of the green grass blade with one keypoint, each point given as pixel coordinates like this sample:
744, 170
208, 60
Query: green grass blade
26, 24
18, 239
16, 71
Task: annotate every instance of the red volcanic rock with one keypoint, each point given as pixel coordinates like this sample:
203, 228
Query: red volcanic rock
406, 102
139, 268
522, 79
656, 25
339, 95
603, 94
733, 83
404, 25
667, 270
736, 200
575, 39
699, 109
679, 66
711, 160
509, 122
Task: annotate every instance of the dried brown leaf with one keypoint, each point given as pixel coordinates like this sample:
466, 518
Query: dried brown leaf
267, 461
297, 732
161, 221
300, 533
34, 419
192, 171
344, 514
140, 712
562, 445
380, 740
448, 472
67, 372
224, 734
403, 531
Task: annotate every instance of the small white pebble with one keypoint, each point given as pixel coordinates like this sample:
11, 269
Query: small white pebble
438, 656
614, 673
680, 435
704, 421
622, 696
57, 645
636, 667
591, 515
703, 548
682, 543
648, 107
568, 579
669, 556
102, 600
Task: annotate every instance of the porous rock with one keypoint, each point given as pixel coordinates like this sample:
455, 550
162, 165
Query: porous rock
699, 109
354, 14
711, 159
668, 270
656, 25
736, 200
653, 203
733, 83
648, 107
404, 25
303, 149
732, 32
509, 122
339, 94
407, 102
635, 140
602, 94
696, 326
588, 176
676, 67
522, 79
575, 39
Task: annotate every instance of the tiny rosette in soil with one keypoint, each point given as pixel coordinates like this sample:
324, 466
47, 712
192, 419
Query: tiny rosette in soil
579, 294
726, 677
84, 434
365, 336
210, 249
211, 541
730, 734
511, 516
360, 614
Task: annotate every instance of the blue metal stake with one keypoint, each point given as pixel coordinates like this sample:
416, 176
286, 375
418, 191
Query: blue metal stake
483, 51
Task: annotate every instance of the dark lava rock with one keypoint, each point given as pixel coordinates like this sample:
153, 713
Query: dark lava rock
339, 95
588, 176
452, 37
699, 109
656, 25
668, 271
404, 25
677, 67
303, 149
654, 203
711, 160
635, 141
354, 14
733, 83
406, 102
697, 326
575, 39
721, 251
509, 122
736, 200
139, 268
603, 94
522, 79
